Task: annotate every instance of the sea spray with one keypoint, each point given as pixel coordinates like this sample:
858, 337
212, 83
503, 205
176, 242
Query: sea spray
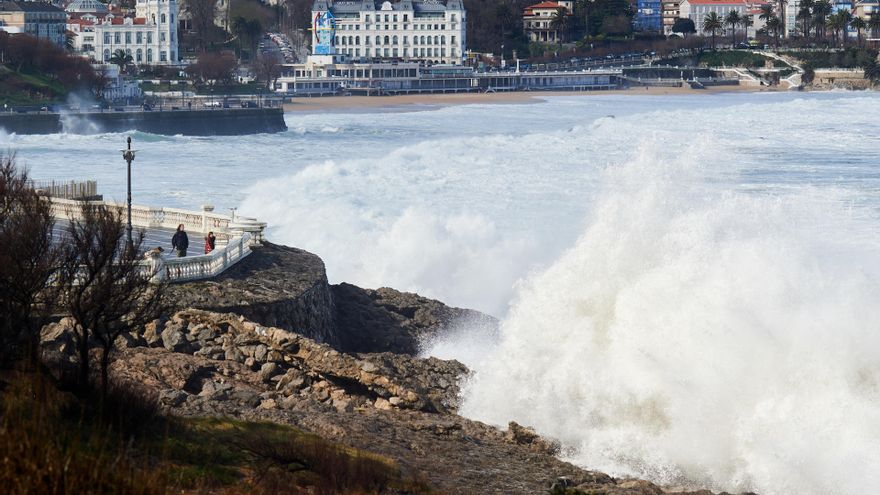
700, 336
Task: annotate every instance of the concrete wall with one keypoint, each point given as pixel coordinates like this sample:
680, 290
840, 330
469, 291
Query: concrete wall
225, 122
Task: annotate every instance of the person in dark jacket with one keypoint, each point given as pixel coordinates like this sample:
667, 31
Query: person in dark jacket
180, 241
210, 242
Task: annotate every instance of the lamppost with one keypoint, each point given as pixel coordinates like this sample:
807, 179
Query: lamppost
128, 156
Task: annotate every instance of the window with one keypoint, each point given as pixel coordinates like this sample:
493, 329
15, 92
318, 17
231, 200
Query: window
117, 37
387, 40
394, 18
394, 40
386, 17
106, 54
127, 38
149, 37
452, 40
128, 51
357, 40
162, 19
149, 52
139, 57
162, 36
139, 37
162, 57
367, 18
405, 42
106, 38
405, 17
378, 40
172, 18
452, 18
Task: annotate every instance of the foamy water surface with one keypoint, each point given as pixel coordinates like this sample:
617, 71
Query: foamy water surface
688, 285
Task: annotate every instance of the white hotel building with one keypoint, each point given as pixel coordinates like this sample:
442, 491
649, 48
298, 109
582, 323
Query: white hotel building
409, 30
150, 36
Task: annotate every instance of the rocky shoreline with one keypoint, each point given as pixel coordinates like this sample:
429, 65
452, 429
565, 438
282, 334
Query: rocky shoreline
271, 340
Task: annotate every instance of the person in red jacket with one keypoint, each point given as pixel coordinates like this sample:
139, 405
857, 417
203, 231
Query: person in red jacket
210, 242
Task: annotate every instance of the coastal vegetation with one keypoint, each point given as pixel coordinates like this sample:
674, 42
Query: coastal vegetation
61, 432
36, 71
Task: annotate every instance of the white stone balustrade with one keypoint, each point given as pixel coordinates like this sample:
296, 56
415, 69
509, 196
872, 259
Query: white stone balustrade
234, 237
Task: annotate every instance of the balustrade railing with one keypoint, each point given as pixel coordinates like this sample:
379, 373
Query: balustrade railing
235, 237
202, 266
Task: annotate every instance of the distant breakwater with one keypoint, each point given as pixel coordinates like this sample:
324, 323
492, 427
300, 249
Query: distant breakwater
215, 122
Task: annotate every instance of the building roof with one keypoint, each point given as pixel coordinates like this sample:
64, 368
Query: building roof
356, 6
87, 6
545, 5
746, 3
28, 7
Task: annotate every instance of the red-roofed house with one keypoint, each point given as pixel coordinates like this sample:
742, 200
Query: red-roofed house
538, 20
149, 36
696, 10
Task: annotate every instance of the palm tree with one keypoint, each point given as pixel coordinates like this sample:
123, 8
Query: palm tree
121, 59
781, 7
846, 16
774, 25
835, 22
559, 22
746, 21
858, 24
712, 23
766, 12
805, 14
732, 19
821, 10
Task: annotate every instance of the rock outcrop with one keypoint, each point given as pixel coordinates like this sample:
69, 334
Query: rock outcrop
271, 340
385, 319
276, 286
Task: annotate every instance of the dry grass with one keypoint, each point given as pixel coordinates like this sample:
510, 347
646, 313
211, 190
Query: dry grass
54, 442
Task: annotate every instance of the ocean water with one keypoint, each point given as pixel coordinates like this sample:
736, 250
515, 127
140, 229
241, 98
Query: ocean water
688, 286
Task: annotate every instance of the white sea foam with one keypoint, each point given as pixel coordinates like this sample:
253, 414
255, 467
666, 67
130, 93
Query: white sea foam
694, 335
700, 273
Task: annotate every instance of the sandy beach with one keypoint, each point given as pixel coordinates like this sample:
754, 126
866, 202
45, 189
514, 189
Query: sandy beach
422, 101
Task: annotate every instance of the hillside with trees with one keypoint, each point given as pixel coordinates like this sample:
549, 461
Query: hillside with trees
35, 71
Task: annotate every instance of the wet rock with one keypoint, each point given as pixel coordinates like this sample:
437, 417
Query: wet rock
522, 435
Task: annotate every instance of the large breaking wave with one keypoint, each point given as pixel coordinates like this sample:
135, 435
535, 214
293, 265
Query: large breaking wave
698, 336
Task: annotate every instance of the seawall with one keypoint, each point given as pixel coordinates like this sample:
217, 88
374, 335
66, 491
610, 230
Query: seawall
218, 122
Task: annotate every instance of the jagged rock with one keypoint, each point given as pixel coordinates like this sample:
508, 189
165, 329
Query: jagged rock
172, 398
268, 370
522, 435
387, 320
174, 339
153, 332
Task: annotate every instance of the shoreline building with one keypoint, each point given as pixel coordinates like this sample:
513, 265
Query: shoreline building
431, 31
696, 10
648, 16
670, 9
538, 21
150, 36
39, 19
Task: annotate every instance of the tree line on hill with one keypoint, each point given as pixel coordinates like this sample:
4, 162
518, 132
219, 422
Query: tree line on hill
23, 54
